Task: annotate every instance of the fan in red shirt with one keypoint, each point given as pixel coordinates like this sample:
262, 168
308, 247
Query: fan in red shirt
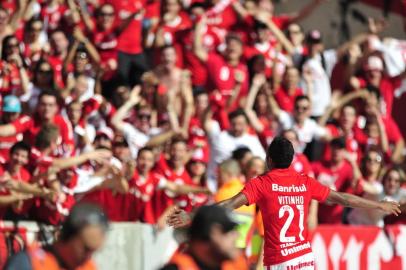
346, 127
221, 14
14, 77
47, 113
59, 51
10, 112
11, 174
211, 38
375, 116
172, 170
141, 189
286, 94
374, 75
337, 174
56, 174
130, 41
53, 12
226, 73
173, 21
283, 196
197, 135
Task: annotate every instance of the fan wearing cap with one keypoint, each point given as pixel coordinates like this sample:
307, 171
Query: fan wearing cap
47, 113
284, 196
197, 169
374, 73
82, 234
212, 239
11, 111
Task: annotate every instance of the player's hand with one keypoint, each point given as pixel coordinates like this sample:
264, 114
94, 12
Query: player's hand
178, 218
390, 207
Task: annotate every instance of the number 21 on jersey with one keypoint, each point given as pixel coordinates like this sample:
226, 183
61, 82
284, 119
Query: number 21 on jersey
291, 214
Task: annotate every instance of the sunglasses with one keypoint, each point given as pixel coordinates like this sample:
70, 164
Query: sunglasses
144, 116
378, 159
107, 14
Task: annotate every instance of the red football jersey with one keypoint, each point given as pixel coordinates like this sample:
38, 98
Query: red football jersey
284, 196
339, 179
163, 198
138, 206
31, 126
22, 175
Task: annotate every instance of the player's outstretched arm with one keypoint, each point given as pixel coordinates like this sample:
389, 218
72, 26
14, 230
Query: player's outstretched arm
349, 200
179, 218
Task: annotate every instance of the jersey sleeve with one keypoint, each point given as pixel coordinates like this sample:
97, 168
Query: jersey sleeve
318, 191
22, 124
66, 132
253, 190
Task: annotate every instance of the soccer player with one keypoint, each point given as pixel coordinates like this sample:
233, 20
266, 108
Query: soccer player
283, 196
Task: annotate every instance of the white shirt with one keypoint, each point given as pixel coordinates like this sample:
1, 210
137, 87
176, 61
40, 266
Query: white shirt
222, 144
137, 139
306, 133
321, 80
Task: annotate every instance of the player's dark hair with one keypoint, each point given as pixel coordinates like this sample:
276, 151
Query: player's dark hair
281, 152
20, 146
239, 153
237, 113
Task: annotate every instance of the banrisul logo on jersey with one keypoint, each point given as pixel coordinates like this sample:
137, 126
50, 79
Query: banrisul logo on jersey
292, 188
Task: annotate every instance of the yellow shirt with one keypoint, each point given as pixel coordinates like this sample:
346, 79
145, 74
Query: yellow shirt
230, 189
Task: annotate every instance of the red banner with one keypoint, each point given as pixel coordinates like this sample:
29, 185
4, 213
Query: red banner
360, 248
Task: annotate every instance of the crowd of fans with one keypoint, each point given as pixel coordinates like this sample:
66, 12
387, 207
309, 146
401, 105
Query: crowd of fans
141, 105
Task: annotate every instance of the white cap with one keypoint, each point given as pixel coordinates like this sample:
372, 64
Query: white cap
374, 63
